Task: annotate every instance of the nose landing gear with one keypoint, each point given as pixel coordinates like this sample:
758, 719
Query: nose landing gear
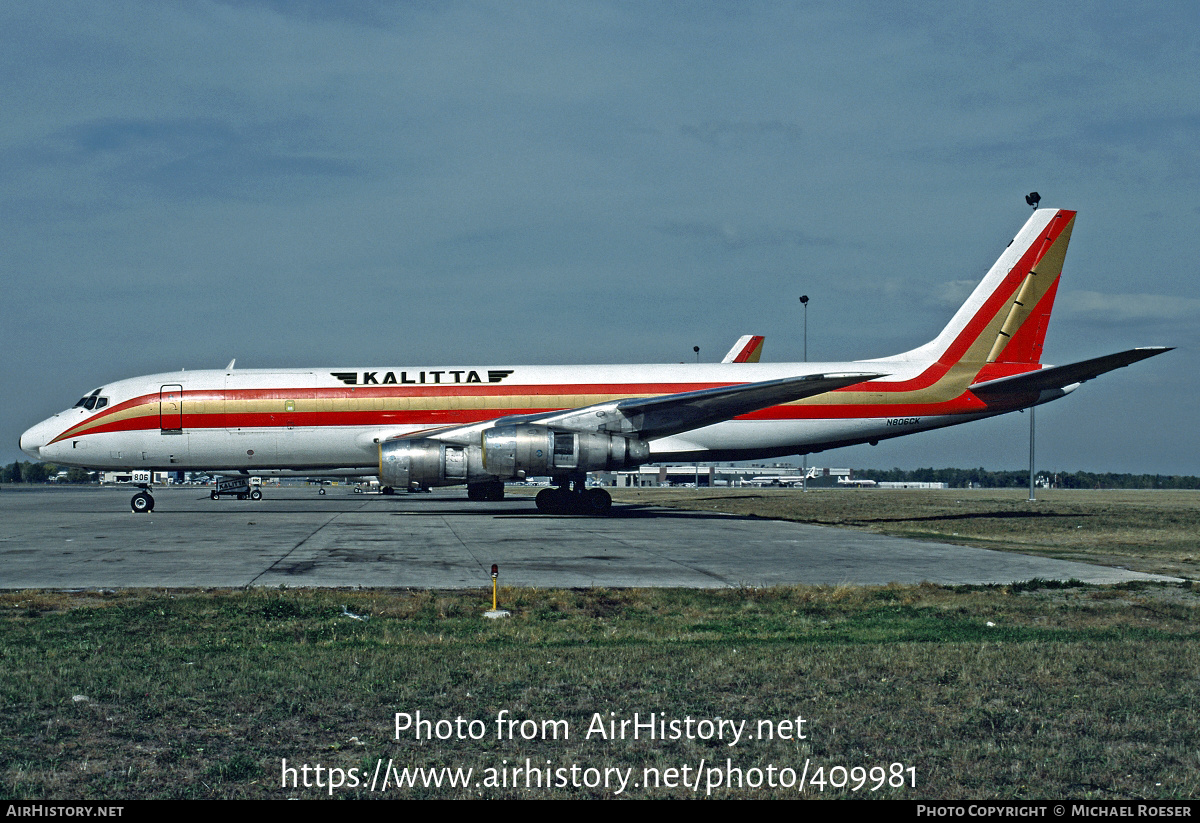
143, 501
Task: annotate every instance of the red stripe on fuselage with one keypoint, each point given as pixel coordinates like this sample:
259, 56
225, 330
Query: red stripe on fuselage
964, 404
88, 425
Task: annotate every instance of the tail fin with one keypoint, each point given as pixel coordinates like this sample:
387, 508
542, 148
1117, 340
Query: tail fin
748, 349
1000, 329
988, 359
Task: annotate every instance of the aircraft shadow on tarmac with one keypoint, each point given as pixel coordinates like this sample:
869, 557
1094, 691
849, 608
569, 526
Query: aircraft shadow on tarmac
619, 511
506, 509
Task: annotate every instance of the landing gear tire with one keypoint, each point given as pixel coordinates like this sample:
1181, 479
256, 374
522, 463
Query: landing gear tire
241, 496
212, 495
142, 503
489, 490
594, 502
320, 491
387, 490
597, 501
256, 495
548, 501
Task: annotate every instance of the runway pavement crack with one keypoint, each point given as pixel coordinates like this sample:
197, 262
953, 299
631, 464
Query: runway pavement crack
290, 551
463, 543
630, 544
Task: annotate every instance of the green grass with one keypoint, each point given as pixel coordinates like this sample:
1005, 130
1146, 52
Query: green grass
1078, 691
1147, 531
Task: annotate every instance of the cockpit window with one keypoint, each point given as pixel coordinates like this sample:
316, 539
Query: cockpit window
92, 401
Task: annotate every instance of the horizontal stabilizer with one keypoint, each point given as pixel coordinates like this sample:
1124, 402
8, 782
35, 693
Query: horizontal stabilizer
1058, 377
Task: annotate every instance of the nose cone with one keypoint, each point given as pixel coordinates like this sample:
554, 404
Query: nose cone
33, 439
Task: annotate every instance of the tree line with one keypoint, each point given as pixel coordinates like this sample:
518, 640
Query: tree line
982, 478
41, 473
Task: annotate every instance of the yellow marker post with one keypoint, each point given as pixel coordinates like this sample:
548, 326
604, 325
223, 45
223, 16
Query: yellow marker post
496, 611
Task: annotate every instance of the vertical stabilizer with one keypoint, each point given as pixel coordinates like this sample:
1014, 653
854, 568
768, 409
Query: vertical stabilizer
1001, 327
748, 349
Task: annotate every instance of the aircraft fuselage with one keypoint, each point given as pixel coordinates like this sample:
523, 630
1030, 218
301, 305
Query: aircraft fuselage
248, 419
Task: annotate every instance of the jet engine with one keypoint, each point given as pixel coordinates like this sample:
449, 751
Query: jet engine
507, 453
425, 462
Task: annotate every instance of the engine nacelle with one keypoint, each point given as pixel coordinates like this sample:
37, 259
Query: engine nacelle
538, 450
403, 463
506, 452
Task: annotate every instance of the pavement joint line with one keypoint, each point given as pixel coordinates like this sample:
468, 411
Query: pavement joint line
289, 552
463, 543
629, 544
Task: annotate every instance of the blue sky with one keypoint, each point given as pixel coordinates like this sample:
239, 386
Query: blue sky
301, 184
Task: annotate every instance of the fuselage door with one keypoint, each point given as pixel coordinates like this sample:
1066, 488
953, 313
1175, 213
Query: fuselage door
170, 409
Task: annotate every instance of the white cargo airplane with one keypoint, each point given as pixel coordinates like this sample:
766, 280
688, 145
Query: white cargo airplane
482, 425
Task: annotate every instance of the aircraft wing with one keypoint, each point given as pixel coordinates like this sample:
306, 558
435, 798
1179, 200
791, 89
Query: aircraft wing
1060, 377
652, 417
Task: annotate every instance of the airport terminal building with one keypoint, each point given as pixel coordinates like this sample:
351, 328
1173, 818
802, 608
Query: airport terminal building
756, 476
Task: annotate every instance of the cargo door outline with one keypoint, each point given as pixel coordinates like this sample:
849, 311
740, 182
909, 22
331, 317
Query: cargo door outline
170, 409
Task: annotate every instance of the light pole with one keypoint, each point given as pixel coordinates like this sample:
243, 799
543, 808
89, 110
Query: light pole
804, 303
1032, 199
1032, 498
804, 457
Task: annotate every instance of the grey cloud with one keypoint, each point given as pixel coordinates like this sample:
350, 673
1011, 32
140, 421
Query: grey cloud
722, 134
951, 294
1129, 308
184, 157
736, 236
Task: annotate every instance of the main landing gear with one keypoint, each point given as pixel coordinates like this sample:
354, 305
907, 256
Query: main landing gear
572, 497
491, 490
143, 501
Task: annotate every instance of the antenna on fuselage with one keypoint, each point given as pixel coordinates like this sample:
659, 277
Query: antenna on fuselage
230, 366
